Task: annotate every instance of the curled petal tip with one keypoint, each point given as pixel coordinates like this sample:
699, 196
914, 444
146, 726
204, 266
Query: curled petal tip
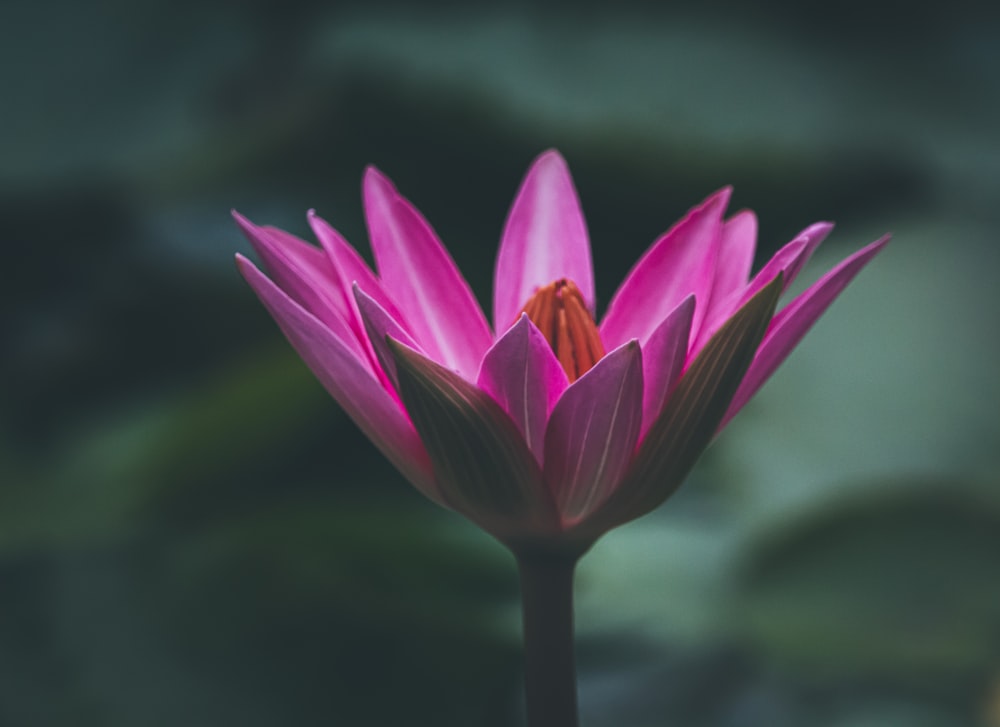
241, 220
551, 156
374, 175
242, 263
721, 197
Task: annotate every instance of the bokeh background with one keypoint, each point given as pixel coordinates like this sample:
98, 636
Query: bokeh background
192, 533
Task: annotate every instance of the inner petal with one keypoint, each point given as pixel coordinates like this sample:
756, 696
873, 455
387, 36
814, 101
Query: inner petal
560, 313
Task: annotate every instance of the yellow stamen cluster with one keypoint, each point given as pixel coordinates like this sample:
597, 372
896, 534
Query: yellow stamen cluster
560, 313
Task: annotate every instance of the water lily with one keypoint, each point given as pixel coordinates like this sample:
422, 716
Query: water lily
547, 428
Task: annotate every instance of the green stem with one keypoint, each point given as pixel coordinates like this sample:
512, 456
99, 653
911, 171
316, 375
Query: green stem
547, 612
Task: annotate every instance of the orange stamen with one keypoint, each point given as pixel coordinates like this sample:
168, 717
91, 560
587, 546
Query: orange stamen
560, 314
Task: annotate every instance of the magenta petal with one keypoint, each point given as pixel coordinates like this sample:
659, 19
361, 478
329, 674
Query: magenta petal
379, 324
545, 239
789, 261
681, 263
593, 431
351, 266
812, 236
441, 311
663, 357
689, 420
736, 252
305, 274
482, 465
348, 380
524, 376
793, 321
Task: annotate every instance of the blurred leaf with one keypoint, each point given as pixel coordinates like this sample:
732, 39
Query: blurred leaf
317, 613
901, 581
118, 473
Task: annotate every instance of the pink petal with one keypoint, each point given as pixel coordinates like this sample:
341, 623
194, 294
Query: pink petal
793, 321
682, 262
789, 260
343, 374
688, 421
524, 376
663, 358
378, 324
593, 431
440, 309
545, 239
736, 253
481, 463
306, 275
350, 265
812, 236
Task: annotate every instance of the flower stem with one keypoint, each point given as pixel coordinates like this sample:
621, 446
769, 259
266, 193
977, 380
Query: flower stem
547, 613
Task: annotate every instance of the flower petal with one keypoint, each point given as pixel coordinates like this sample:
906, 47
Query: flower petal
663, 358
794, 320
378, 325
482, 465
690, 418
736, 253
351, 266
788, 261
544, 239
680, 263
305, 274
441, 311
526, 379
348, 380
592, 432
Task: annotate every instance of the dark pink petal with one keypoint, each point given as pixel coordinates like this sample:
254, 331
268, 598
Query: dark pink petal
663, 358
690, 418
482, 465
788, 261
440, 309
592, 432
351, 266
524, 376
305, 274
379, 324
794, 320
681, 263
348, 380
812, 236
545, 239
736, 252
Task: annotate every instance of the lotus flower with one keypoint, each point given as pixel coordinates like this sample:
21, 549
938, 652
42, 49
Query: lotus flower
547, 429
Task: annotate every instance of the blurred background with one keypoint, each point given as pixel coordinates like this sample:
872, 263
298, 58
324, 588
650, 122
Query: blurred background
192, 532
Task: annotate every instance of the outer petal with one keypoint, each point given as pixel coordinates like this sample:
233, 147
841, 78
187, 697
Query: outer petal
788, 261
350, 266
378, 325
794, 320
592, 432
347, 379
524, 376
736, 253
545, 239
663, 358
481, 463
679, 264
305, 274
442, 313
690, 418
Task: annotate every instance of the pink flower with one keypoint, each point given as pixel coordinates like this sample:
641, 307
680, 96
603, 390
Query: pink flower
546, 429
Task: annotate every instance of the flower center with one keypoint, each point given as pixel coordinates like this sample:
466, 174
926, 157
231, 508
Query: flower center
559, 312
